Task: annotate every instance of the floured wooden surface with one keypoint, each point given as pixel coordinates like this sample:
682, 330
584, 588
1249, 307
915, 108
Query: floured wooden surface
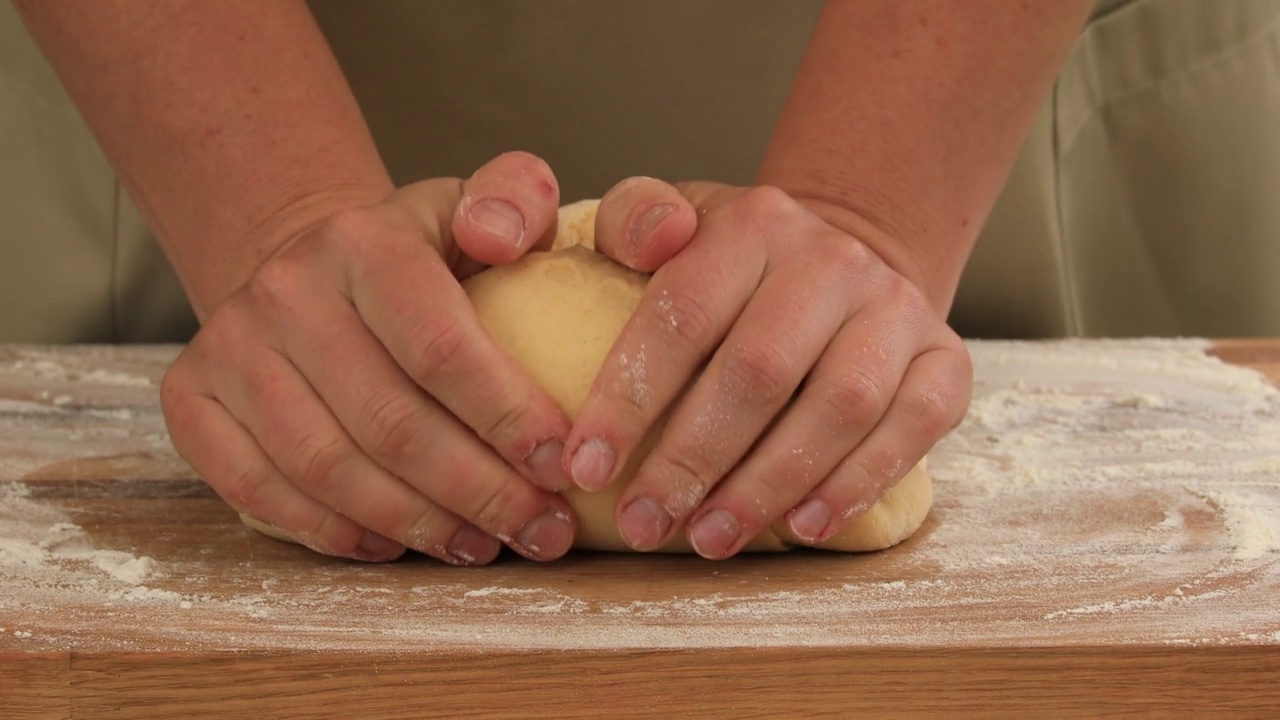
1098, 494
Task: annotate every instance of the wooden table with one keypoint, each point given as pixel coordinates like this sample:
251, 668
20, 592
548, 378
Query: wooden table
1039, 582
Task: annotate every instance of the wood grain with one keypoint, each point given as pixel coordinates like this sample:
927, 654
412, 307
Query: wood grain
747, 683
229, 623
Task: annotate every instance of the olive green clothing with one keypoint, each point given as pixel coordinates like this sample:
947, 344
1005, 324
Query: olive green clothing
1141, 204
77, 263
1146, 200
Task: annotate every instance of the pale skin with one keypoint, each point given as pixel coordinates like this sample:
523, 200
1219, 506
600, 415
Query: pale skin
341, 389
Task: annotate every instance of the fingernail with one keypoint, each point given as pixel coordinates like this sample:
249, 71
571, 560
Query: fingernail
592, 464
498, 218
545, 537
648, 222
644, 524
715, 534
471, 546
377, 547
810, 519
547, 465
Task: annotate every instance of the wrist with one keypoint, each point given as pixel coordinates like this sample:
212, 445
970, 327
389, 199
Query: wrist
279, 224
932, 266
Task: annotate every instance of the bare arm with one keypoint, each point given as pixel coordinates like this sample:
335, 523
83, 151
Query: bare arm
905, 118
825, 374
326, 393
229, 122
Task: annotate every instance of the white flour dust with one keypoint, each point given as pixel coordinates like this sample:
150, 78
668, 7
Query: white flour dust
100, 399
47, 369
1105, 492
48, 557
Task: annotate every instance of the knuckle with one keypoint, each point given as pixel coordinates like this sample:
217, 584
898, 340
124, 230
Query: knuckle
905, 295
232, 327
758, 373
241, 490
961, 361
497, 512
855, 400
352, 228
682, 315
275, 284
629, 402
628, 395
442, 344
847, 256
764, 495
430, 531
332, 534
390, 420
764, 204
324, 531
844, 261
318, 459
930, 410
882, 468
173, 393
686, 477
505, 428
774, 494
365, 240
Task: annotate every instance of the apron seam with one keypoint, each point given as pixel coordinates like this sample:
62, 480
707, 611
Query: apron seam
113, 323
1071, 300
1157, 82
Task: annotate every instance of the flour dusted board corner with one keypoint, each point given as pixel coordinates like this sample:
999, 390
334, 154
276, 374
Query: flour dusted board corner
1100, 535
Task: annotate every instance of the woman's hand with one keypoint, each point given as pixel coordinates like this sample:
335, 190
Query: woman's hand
825, 372
347, 395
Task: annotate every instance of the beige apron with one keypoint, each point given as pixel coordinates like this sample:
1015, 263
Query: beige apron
1141, 204
76, 262
1147, 199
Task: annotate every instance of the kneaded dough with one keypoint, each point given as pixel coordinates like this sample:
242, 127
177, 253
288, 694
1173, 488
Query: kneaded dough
559, 312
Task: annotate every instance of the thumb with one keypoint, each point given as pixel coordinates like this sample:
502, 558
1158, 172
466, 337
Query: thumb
642, 223
507, 207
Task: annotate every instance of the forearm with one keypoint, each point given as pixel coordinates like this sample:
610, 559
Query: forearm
229, 123
905, 118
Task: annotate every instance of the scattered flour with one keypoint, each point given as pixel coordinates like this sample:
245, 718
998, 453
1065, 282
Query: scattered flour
1124, 492
47, 369
1252, 522
43, 557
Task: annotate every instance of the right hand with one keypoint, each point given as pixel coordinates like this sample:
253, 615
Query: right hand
347, 395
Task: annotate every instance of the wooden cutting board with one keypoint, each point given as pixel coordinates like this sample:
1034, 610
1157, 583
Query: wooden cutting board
1105, 538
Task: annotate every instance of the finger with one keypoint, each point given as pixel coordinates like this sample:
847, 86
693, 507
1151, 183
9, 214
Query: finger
931, 401
507, 206
707, 196
303, 439
227, 457
642, 223
687, 308
843, 398
416, 309
398, 425
778, 338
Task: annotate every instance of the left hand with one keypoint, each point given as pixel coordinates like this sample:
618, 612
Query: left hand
825, 373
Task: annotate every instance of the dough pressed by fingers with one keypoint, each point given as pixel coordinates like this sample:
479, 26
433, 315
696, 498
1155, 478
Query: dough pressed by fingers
558, 313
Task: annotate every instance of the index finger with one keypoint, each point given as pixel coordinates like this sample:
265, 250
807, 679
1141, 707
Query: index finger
411, 301
687, 309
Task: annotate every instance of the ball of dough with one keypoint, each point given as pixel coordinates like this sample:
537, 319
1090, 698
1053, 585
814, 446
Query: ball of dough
558, 313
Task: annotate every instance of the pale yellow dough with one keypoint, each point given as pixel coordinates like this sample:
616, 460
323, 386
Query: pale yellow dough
558, 313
